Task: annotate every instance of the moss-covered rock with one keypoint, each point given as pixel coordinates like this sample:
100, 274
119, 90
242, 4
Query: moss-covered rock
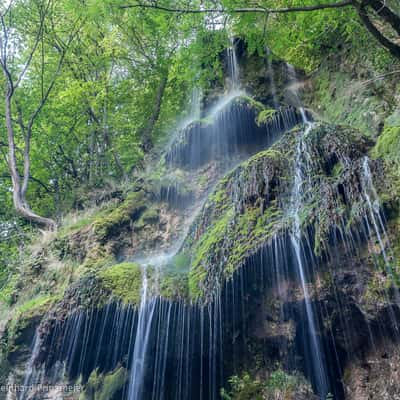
387, 149
265, 115
250, 205
20, 328
124, 281
106, 226
105, 387
342, 94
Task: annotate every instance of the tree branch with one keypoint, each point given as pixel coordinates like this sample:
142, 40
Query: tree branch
385, 42
385, 13
41, 104
316, 7
43, 13
33, 179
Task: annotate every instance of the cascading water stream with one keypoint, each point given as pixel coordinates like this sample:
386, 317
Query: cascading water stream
143, 332
209, 316
32, 375
378, 230
272, 78
374, 208
298, 192
318, 367
233, 67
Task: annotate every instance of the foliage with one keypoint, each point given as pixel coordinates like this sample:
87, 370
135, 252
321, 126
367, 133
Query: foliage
104, 387
124, 281
91, 128
92, 125
244, 388
304, 39
388, 144
278, 385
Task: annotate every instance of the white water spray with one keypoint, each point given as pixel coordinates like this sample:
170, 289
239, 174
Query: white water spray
233, 67
298, 192
140, 352
318, 366
374, 207
272, 78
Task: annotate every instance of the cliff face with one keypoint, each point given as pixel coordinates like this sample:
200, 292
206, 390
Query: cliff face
260, 254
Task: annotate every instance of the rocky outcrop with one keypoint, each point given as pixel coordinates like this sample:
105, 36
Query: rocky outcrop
250, 205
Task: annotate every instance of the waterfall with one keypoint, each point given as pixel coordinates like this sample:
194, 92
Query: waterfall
195, 104
178, 349
233, 66
294, 86
378, 231
141, 347
374, 209
272, 78
32, 375
298, 192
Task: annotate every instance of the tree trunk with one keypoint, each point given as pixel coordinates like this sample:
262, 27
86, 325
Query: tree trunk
385, 13
20, 203
148, 130
393, 48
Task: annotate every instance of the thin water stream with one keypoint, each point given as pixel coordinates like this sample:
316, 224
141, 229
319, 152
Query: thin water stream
298, 192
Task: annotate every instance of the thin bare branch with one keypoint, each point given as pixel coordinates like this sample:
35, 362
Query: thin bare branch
36, 42
344, 3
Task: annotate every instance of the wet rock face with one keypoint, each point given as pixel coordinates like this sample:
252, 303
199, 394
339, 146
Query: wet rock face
250, 205
376, 376
232, 129
263, 76
350, 326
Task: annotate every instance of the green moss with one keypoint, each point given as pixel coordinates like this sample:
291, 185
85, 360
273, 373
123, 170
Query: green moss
78, 225
231, 238
110, 225
180, 262
220, 197
206, 247
249, 206
251, 230
387, 148
29, 310
8, 291
151, 216
35, 305
339, 99
112, 384
96, 259
264, 116
388, 144
273, 154
174, 280
24, 317
124, 281
174, 285
104, 387
202, 180
256, 105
